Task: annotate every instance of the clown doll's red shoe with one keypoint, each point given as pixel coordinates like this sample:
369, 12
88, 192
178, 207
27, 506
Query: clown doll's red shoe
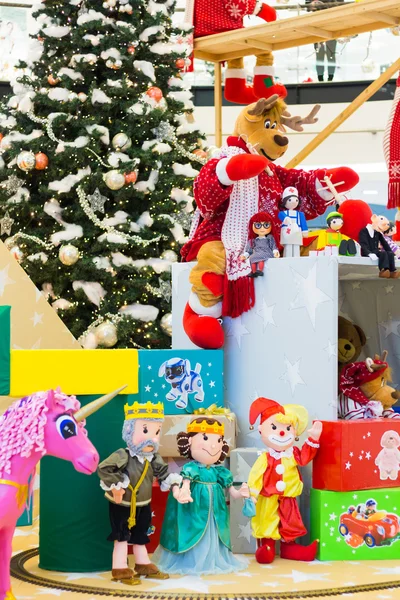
203, 330
293, 551
265, 553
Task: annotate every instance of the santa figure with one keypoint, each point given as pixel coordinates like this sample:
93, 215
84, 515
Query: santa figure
275, 480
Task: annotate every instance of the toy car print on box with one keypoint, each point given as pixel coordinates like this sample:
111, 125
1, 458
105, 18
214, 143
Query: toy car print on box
361, 525
358, 455
185, 380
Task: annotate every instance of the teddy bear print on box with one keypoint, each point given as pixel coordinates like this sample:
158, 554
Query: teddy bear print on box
184, 380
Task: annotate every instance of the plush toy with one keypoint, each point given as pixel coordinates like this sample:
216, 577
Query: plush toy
195, 537
275, 480
351, 340
331, 241
374, 245
209, 17
389, 236
127, 479
293, 223
261, 245
388, 459
228, 191
364, 390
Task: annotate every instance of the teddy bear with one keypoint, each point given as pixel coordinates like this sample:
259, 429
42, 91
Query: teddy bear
388, 459
364, 390
351, 340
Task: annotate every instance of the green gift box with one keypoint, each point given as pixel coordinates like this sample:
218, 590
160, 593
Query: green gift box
356, 525
5, 350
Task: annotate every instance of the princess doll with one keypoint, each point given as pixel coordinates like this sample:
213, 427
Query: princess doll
195, 538
294, 224
261, 245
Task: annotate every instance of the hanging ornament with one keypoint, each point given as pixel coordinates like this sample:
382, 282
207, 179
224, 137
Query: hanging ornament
200, 153
131, 49
68, 255
121, 142
166, 324
9, 243
12, 184
17, 253
72, 96
6, 224
155, 93
110, 4
114, 64
184, 219
106, 334
53, 80
2, 163
368, 65
395, 30
97, 201
170, 255
212, 151
26, 161
130, 177
41, 161
114, 180
82, 97
13, 102
180, 63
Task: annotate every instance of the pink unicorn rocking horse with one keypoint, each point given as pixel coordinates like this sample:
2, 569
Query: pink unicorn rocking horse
44, 423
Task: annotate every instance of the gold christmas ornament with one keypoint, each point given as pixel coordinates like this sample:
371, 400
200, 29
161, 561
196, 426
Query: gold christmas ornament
170, 255
106, 334
82, 97
121, 142
114, 180
26, 161
68, 255
166, 324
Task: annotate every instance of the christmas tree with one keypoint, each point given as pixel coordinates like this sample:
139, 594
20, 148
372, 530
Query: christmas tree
98, 153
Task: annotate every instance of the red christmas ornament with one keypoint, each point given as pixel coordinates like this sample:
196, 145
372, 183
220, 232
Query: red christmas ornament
155, 93
130, 177
42, 161
200, 153
40, 38
1, 137
180, 63
131, 49
52, 80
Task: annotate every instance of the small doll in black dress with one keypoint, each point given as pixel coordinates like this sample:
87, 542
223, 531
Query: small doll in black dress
262, 244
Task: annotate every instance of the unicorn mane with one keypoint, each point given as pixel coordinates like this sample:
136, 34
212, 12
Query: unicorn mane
22, 426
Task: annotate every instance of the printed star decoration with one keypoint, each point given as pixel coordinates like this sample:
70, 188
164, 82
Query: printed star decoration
292, 375
331, 349
391, 326
235, 329
266, 313
245, 532
4, 279
97, 201
6, 224
192, 584
309, 296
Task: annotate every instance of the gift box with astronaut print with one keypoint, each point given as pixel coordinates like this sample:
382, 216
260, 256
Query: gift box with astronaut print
184, 380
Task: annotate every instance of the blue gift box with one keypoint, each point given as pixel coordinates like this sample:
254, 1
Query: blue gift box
185, 380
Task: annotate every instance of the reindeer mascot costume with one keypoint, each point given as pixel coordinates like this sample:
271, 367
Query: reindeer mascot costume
229, 190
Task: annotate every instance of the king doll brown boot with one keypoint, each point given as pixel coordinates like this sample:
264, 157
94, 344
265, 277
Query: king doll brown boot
127, 576
150, 571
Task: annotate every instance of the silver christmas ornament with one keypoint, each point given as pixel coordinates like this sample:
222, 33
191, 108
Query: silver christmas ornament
12, 184
6, 224
368, 65
121, 142
165, 290
166, 324
170, 255
114, 180
106, 334
26, 161
68, 255
184, 220
97, 201
72, 96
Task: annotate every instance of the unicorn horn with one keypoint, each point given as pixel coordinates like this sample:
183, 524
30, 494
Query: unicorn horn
85, 412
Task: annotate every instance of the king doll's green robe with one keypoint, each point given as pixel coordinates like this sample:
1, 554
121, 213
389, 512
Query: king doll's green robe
185, 524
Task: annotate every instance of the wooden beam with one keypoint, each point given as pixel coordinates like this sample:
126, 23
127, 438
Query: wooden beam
259, 44
218, 104
322, 33
383, 18
348, 111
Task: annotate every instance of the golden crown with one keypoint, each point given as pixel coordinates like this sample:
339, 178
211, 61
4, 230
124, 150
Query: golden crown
205, 427
146, 410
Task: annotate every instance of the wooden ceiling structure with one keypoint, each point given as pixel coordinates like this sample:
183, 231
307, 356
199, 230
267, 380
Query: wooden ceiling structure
310, 28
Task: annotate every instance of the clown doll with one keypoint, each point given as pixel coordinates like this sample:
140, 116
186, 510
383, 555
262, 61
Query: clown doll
275, 480
261, 245
294, 224
127, 479
195, 537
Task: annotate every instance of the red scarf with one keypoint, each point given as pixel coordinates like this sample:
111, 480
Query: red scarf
391, 146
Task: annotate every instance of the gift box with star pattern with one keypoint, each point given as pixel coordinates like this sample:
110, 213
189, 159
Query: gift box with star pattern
356, 525
241, 462
184, 380
358, 455
242, 541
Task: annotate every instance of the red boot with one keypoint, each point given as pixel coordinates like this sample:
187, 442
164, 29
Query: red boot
236, 88
265, 554
203, 330
293, 551
264, 84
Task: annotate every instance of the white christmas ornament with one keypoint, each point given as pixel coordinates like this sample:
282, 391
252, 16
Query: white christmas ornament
166, 324
26, 161
170, 255
68, 255
368, 65
114, 180
82, 97
89, 341
61, 304
106, 334
121, 142
17, 253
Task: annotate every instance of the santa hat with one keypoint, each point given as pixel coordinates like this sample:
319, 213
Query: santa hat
356, 374
264, 408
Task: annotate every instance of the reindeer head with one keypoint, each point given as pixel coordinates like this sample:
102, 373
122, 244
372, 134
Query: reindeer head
262, 125
378, 389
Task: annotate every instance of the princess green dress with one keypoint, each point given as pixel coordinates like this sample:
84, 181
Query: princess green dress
195, 538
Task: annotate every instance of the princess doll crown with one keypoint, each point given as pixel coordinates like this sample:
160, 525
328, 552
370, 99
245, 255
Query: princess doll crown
146, 410
204, 427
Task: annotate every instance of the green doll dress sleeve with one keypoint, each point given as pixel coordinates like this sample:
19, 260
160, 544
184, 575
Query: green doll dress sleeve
224, 477
191, 471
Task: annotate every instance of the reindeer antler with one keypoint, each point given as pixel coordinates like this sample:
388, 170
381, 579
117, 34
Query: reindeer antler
263, 105
296, 123
371, 366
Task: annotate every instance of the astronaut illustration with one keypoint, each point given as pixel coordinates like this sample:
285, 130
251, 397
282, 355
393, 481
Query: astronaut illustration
183, 381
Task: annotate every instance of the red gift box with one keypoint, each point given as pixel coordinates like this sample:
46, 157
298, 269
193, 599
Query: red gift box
158, 506
358, 455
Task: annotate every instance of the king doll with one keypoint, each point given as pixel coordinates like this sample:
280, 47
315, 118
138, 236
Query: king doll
127, 478
275, 480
